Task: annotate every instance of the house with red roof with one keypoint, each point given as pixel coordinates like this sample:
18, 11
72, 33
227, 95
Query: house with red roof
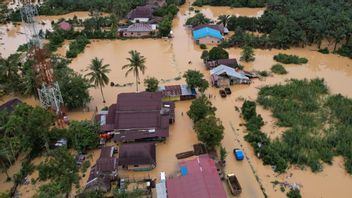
199, 178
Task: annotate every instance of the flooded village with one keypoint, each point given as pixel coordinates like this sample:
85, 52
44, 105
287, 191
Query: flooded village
147, 142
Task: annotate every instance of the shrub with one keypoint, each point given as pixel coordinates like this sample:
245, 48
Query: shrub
278, 69
324, 51
203, 46
290, 59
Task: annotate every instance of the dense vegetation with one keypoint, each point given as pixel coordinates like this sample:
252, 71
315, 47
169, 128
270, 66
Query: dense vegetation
200, 109
320, 125
198, 19
77, 46
247, 54
278, 69
31, 130
296, 23
290, 59
232, 3
151, 84
209, 129
61, 169
194, 79
217, 53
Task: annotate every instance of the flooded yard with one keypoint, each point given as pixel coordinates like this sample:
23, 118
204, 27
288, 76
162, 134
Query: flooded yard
167, 60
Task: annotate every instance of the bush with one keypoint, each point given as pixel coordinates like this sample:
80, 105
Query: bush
324, 51
290, 59
278, 69
203, 46
77, 46
152, 84
345, 50
263, 73
294, 194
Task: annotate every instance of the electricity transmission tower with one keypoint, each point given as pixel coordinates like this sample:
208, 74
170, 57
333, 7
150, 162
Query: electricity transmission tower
48, 89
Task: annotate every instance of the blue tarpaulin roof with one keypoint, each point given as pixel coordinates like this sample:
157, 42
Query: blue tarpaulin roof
203, 32
184, 170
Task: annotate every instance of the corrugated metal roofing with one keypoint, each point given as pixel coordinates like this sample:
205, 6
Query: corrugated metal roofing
231, 72
137, 154
206, 31
202, 180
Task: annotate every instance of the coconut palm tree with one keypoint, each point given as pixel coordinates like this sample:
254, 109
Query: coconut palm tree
224, 19
137, 63
98, 74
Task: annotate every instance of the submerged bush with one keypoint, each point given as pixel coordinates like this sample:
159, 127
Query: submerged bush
278, 69
290, 59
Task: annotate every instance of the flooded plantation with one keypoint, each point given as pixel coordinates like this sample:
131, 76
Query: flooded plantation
168, 59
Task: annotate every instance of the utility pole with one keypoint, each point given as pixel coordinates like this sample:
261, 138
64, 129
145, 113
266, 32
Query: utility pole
48, 89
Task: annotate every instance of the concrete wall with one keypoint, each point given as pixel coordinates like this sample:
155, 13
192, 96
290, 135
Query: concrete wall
208, 40
140, 20
135, 34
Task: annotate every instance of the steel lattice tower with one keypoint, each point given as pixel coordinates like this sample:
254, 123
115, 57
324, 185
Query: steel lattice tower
48, 90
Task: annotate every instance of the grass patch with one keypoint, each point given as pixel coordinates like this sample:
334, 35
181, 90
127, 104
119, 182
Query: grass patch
278, 69
320, 125
290, 59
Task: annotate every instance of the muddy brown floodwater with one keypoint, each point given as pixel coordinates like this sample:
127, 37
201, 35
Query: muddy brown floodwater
168, 59
14, 35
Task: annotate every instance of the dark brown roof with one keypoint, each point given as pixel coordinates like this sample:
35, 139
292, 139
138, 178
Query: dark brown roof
212, 26
141, 12
137, 154
10, 105
139, 101
138, 116
106, 152
228, 62
173, 90
108, 164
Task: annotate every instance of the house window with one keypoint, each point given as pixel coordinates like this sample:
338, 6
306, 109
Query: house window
218, 41
138, 34
131, 33
212, 41
135, 165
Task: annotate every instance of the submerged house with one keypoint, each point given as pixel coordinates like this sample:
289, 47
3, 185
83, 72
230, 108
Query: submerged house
137, 30
138, 117
138, 156
141, 14
220, 27
223, 75
177, 93
103, 172
199, 178
228, 62
207, 36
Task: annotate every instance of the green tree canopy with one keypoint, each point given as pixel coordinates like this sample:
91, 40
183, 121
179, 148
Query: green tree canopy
152, 84
201, 108
247, 54
218, 53
195, 79
84, 135
60, 167
210, 131
198, 19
